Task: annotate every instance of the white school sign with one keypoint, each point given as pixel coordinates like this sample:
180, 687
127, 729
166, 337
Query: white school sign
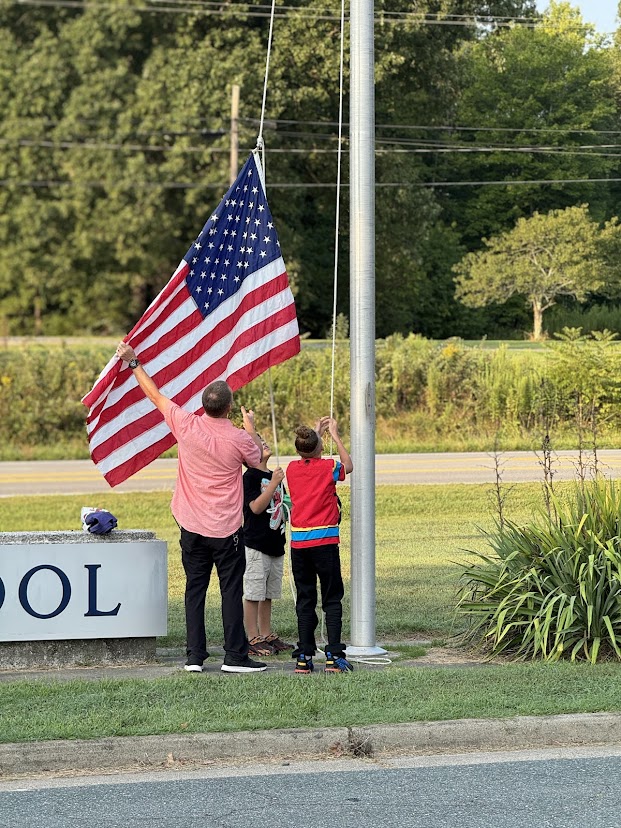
73, 585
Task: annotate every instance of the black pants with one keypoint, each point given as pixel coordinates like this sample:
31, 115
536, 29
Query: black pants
198, 555
307, 565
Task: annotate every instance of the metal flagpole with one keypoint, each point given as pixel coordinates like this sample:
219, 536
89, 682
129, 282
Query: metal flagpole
362, 328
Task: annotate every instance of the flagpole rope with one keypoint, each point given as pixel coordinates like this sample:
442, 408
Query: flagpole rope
273, 412
338, 212
336, 248
261, 149
267, 71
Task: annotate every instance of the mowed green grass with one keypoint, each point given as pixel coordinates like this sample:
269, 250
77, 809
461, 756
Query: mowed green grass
422, 532
202, 703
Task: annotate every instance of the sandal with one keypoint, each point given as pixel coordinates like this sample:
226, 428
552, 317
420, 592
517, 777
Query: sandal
278, 644
258, 646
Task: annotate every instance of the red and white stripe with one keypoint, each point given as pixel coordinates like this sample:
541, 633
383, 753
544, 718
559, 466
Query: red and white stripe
183, 352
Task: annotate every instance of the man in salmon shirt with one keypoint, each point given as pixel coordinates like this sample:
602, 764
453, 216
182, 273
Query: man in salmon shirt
207, 505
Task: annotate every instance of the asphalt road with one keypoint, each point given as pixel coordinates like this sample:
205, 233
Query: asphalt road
82, 477
559, 788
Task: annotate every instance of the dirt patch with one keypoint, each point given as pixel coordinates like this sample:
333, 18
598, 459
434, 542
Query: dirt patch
451, 655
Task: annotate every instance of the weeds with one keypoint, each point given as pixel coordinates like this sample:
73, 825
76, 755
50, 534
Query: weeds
430, 396
551, 588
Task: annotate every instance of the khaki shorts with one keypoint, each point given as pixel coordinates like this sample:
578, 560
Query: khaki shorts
263, 576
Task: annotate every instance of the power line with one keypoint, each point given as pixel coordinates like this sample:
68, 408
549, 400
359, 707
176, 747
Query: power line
456, 128
448, 127
272, 124
279, 185
538, 181
491, 150
383, 146
259, 11
382, 12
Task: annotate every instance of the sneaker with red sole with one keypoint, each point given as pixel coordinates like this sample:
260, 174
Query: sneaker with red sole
304, 665
337, 663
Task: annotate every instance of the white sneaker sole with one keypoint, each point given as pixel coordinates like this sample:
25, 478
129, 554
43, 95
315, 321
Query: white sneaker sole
193, 668
226, 668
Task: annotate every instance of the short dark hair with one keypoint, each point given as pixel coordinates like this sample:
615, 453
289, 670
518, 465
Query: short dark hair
217, 398
306, 440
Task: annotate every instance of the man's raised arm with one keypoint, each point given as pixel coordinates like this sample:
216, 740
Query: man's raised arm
151, 391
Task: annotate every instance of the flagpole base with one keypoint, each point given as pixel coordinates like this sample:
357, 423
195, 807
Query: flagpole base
355, 652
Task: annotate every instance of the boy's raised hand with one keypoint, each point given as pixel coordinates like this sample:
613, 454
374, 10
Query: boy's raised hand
248, 419
343, 453
278, 475
332, 428
322, 425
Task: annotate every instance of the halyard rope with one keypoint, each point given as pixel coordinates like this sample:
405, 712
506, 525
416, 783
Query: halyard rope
267, 71
338, 209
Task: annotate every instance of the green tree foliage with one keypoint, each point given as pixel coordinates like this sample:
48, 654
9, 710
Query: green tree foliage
535, 104
417, 78
114, 122
115, 128
542, 258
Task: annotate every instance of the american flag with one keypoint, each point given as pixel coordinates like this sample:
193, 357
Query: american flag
227, 313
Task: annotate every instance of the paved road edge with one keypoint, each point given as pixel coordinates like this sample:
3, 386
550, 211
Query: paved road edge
457, 736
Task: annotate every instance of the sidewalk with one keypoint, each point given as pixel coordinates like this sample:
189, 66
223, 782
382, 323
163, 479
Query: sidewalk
184, 750
171, 661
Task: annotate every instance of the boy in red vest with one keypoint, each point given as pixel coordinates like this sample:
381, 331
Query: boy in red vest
315, 518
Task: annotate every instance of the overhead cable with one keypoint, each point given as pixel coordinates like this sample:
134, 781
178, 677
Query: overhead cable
385, 146
301, 13
187, 185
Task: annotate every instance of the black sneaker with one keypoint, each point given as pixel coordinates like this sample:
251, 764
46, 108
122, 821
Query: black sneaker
304, 665
193, 666
242, 665
337, 664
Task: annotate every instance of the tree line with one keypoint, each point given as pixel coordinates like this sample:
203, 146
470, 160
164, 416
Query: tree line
115, 133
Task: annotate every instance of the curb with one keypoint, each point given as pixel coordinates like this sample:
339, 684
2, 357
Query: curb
456, 736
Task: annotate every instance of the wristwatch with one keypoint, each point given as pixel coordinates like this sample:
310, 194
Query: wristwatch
133, 363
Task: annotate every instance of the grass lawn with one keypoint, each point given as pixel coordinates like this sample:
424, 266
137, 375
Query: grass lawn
422, 532
194, 703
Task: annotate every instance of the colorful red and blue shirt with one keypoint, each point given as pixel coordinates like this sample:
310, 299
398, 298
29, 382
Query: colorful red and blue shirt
315, 507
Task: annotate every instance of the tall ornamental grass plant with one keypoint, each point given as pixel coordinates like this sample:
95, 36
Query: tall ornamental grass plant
551, 589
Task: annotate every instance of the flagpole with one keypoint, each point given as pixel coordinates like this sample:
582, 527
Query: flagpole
362, 328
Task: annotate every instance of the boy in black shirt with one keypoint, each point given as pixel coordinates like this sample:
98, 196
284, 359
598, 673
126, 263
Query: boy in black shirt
264, 537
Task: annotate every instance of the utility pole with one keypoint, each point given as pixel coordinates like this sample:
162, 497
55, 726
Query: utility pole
362, 328
234, 152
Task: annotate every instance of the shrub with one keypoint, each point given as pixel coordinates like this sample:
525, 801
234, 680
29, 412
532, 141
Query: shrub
41, 389
595, 318
401, 372
440, 394
451, 379
552, 589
